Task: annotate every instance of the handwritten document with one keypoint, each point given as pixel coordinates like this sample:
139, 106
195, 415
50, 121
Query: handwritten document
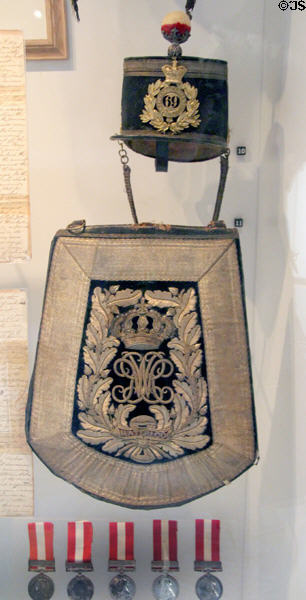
14, 186
16, 476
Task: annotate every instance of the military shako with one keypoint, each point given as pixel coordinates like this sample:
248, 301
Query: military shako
175, 108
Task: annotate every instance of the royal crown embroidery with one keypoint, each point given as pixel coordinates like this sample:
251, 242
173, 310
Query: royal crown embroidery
142, 395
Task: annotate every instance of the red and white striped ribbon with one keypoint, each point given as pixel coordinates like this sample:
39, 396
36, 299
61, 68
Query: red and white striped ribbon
80, 534
41, 546
121, 541
207, 545
165, 544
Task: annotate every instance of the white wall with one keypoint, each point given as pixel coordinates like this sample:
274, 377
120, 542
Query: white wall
275, 536
73, 108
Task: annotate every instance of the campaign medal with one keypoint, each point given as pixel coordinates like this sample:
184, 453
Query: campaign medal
80, 534
121, 559
165, 587
80, 588
122, 586
41, 587
208, 587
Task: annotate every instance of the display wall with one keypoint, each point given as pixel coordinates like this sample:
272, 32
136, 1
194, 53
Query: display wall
73, 109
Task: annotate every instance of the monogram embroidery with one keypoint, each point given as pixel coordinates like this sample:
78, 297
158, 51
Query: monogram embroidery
142, 395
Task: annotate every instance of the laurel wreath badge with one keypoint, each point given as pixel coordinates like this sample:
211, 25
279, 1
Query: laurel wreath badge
171, 105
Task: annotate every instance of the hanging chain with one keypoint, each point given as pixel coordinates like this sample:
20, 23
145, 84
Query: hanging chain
189, 7
223, 175
127, 180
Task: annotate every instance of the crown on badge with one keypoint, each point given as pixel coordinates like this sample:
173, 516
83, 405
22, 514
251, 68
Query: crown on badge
174, 73
142, 328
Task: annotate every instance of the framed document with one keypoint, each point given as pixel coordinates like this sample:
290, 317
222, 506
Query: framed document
43, 23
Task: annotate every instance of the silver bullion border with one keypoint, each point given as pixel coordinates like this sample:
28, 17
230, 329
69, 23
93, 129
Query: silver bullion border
214, 265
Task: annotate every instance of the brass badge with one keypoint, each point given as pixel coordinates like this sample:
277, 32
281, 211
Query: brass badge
171, 105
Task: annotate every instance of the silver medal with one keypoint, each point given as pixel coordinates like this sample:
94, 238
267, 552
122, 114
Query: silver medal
41, 587
209, 587
122, 587
80, 588
165, 587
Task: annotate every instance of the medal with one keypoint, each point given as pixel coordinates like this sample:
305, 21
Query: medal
80, 534
41, 559
165, 587
122, 587
121, 558
80, 588
41, 587
208, 587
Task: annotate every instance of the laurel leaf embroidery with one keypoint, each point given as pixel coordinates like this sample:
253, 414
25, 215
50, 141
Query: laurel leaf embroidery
100, 420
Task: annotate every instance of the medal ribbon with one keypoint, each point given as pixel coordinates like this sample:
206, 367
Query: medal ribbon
80, 535
207, 544
121, 545
41, 546
164, 545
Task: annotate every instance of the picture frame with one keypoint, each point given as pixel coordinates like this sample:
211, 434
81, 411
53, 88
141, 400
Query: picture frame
55, 45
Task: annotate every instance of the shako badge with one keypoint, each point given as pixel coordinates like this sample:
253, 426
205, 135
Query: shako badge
171, 105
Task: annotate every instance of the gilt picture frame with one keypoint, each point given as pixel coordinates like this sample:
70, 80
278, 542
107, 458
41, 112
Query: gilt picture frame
43, 23
55, 45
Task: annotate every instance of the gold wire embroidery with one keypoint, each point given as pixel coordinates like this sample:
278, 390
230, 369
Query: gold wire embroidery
106, 410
